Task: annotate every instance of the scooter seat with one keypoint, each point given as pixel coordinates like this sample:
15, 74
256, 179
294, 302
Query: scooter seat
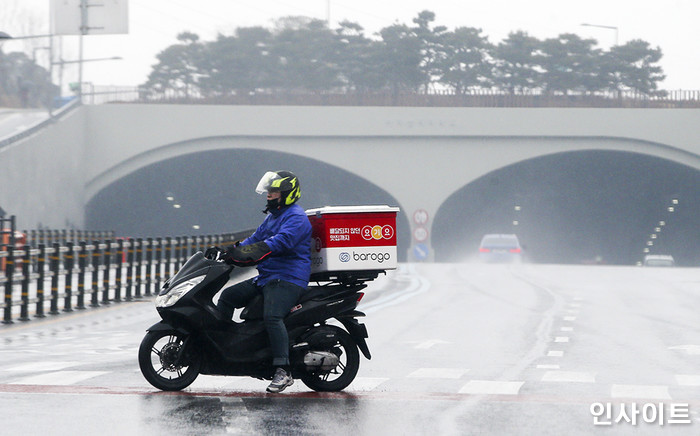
254, 309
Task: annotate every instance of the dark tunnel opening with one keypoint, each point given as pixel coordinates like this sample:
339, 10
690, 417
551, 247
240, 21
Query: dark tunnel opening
214, 192
578, 207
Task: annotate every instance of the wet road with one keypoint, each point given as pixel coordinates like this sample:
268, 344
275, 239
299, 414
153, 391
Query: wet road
457, 349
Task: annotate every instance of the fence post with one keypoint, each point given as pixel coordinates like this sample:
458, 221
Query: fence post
178, 252
55, 265
139, 262
158, 264
82, 257
69, 260
129, 268
41, 266
168, 258
9, 273
149, 266
190, 246
95, 269
118, 275
107, 263
26, 262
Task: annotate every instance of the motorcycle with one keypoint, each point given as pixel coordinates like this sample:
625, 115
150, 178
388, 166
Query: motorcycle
194, 338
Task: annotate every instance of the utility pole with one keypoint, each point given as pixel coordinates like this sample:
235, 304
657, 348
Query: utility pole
83, 31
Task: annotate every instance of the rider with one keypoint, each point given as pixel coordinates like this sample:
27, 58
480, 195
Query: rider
281, 248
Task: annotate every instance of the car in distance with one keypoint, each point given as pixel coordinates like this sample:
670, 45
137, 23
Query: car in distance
659, 260
500, 248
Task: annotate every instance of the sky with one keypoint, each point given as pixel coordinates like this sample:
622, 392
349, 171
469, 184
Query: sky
154, 24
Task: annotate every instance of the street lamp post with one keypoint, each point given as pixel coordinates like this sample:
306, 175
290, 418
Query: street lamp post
601, 26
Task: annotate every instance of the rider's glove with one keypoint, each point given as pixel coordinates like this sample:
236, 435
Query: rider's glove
247, 255
212, 252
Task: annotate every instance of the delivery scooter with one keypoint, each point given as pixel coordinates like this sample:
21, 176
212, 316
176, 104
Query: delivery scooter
194, 338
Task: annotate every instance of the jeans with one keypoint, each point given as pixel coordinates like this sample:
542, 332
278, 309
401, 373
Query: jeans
279, 297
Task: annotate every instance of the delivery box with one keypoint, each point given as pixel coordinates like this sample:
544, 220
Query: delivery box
353, 238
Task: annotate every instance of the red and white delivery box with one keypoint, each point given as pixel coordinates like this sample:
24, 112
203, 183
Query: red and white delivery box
352, 238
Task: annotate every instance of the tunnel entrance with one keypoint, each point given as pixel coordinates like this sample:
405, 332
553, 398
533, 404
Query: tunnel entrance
594, 206
214, 192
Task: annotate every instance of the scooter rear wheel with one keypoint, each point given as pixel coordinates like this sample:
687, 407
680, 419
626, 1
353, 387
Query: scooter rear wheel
344, 373
158, 355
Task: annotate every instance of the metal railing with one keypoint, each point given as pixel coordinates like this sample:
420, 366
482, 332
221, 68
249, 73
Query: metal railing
55, 278
433, 98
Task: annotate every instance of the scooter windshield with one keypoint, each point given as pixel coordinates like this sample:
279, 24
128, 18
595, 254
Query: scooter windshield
196, 265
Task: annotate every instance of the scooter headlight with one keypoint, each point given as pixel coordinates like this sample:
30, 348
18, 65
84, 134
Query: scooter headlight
173, 295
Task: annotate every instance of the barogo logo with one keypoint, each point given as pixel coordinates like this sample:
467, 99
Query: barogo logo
361, 257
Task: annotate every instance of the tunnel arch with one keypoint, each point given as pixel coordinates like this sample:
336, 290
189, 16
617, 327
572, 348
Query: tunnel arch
577, 207
215, 191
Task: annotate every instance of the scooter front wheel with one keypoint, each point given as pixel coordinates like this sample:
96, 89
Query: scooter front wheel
161, 362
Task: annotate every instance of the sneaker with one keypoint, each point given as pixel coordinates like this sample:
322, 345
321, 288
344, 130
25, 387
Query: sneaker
280, 381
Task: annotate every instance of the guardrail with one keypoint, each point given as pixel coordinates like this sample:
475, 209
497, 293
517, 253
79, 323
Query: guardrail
62, 278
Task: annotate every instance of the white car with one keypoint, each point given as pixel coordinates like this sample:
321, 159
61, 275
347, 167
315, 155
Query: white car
659, 260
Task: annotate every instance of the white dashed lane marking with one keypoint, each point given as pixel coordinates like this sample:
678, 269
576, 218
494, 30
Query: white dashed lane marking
640, 391
569, 376
42, 366
61, 378
688, 380
366, 383
452, 373
487, 387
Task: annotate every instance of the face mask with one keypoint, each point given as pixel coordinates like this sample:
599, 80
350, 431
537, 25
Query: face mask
272, 205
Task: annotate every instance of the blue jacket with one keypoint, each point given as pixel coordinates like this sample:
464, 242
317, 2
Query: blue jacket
288, 233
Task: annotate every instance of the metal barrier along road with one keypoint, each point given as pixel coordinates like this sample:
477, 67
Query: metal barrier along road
54, 278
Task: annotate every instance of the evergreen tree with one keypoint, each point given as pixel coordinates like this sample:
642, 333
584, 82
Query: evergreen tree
632, 67
401, 58
239, 64
359, 59
518, 59
466, 62
570, 64
178, 68
306, 51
